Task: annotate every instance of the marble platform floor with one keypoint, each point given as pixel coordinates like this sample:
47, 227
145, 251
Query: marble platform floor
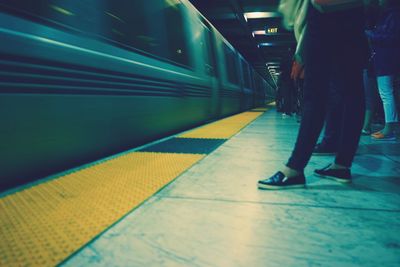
214, 215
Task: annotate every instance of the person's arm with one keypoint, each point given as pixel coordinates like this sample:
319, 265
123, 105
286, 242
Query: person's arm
289, 9
335, 5
299, 62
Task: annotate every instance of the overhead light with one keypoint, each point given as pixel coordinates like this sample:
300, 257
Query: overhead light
261, 32
260, 15
275, 44
62, 10
266, 44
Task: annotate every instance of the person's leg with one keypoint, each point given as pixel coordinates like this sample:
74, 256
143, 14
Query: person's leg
299, 97
279, 99
287, 98
315, 95
397, 92
333, 121
349, 80
347, 64
354, 109
371, 94
386, 87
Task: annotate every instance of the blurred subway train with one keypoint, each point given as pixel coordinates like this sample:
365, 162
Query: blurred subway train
81, 80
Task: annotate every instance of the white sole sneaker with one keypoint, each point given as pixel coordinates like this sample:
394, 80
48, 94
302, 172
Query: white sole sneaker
283, 187
341, 180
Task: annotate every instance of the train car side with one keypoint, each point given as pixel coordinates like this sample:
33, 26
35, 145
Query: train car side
74, 91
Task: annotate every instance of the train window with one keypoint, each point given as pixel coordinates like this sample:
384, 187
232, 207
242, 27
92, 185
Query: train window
230, 63
208, 46
82, 15
246, 73
177, 45
137, 24
209, 50
154, 28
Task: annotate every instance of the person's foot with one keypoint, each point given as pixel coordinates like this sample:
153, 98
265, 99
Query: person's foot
280, 181
380, 136
342, 175
365, 132
324, 149
286, 114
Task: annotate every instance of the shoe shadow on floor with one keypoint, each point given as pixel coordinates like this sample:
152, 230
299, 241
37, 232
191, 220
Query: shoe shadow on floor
380, 148
369, 162
336, 186
383, 184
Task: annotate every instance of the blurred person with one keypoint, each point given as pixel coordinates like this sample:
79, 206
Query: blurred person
334, 50
371, 96
369, 78
286, 85
385, 43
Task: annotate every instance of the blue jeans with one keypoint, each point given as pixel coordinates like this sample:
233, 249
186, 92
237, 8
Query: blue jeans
335, 51
386, 91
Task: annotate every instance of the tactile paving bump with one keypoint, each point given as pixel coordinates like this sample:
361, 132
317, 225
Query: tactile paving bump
186, 145
223, 129
43, 225
259, 110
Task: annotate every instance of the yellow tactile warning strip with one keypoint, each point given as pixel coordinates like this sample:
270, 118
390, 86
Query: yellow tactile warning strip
43, 225
223, 129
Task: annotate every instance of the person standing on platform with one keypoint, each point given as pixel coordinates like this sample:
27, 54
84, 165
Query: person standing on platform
334, 116
286, 86
370, 86
385, 43
334, 50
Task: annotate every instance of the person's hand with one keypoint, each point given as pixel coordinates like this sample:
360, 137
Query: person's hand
297, 71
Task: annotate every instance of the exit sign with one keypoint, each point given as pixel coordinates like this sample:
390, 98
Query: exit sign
271, 30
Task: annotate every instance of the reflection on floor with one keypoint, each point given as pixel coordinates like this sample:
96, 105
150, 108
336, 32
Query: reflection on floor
213, 214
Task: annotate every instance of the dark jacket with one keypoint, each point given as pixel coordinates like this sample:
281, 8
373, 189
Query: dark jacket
385, 42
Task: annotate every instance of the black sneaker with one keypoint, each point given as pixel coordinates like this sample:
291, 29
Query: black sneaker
340, 175
323, 150
280, 181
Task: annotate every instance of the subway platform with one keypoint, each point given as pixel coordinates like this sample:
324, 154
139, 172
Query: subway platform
211, 212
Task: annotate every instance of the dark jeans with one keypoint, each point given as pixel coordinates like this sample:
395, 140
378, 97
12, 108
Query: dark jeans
334, 117
334, 52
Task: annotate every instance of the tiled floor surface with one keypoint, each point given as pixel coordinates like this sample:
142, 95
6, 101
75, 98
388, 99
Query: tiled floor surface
214, 215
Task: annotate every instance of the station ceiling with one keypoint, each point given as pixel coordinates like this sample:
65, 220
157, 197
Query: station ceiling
254, 28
